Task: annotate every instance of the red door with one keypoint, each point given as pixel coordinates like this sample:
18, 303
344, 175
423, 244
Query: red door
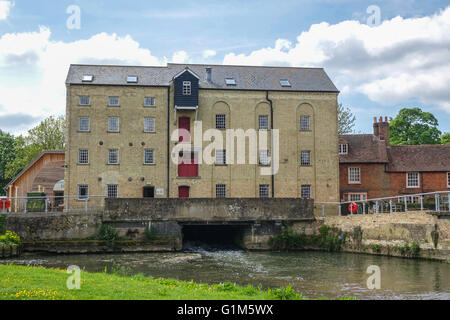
183, 192
184, 124
188, 165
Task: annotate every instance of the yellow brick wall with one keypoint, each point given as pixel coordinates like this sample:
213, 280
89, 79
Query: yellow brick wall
242, 109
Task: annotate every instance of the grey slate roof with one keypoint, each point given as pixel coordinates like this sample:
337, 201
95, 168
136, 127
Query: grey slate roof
247, 77
363, 148
423, 158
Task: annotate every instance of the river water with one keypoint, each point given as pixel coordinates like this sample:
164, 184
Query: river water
313, 274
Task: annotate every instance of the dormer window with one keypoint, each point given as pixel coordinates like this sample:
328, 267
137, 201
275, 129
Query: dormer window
132, 79
187, 88
87, 78
230, 81
343, 149
285, 83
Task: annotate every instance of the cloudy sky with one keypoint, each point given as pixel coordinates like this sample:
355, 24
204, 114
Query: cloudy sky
380, 65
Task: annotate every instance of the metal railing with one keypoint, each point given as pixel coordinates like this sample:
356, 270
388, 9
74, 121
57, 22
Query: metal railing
433, 201
53, 204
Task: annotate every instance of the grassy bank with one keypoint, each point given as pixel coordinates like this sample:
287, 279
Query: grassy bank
37, 283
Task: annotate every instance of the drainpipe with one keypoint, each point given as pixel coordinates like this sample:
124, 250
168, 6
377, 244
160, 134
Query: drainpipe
168, 141
271, 140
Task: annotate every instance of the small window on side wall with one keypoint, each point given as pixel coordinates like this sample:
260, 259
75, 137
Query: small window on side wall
305, 123
149, 102
448, 179
187, 88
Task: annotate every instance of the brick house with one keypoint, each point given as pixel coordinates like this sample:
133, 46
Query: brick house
370, 168
122, 119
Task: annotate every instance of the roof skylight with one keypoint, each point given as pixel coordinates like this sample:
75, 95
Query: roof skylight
132, 79
88, 78
230, 81
285, 83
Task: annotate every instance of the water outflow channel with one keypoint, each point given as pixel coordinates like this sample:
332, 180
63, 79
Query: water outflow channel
314, 274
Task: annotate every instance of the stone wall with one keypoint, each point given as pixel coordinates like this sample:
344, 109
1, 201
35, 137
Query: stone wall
208, 209
54, 226
385, 233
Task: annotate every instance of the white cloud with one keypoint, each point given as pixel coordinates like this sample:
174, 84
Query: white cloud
397, 61
33, 68
5, 8
209, 53
180, 57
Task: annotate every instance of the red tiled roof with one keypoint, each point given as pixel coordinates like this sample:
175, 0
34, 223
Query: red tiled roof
363, 148
423, 158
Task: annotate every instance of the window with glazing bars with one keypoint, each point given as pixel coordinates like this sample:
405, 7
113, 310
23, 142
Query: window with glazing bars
149, 156
343, 149
413, 179
264, 190
112, 191
113, 101
84, 100
354, 175
83, 191
187, 88
149, 124
306, 191
113, 156
149, 102
263, 122
264, 157
221, 157
305, 123
221, 191
83, 124
113, 124
83, 156
220, 121
305, 158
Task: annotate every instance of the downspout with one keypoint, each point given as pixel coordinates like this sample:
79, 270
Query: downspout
271, 141
168, 141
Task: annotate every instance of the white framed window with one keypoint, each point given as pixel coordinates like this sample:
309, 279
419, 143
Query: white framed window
83, 124
413, 199
448, 179
305, 123
84, 100
343, 149
305, 158
149, 124
264, 157
187, 88
354, 175
113, 156
113, 124
264, 190
83, 156
112, 191
113, 101
83, 191
149, 102
221, 191
356, 196
263, 122
221, 157
305, 191
221, 121
412, 180
149, 156
87, 78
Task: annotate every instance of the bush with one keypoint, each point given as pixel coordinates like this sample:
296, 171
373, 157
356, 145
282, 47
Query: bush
376, 247
284, 294
415, 249
150, 234
108, 233
10, 238
2, 223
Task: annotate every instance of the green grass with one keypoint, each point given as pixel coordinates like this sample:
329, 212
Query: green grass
38, 283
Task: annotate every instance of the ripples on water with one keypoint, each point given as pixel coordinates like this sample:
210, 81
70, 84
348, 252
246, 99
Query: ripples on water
314, 274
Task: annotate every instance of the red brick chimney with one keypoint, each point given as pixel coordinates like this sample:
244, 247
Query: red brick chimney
381, 129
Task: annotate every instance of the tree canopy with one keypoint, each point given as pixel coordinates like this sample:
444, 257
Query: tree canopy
346, 120
412, 126
445, 138
7, 154
48, 135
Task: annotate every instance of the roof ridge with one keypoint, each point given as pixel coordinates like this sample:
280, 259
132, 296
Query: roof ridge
236, 65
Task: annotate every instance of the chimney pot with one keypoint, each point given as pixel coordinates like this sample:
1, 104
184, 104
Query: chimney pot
374, 119
385, 119
381, 119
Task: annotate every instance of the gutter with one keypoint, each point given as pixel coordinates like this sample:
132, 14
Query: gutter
271, 140
168, 142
